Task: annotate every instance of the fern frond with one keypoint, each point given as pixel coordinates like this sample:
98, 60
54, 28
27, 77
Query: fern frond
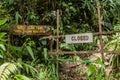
6, 70
29, 69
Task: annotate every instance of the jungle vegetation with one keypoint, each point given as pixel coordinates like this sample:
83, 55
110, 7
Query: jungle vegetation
28, 59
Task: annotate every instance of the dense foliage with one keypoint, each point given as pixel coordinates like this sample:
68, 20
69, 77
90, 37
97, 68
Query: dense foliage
28, 58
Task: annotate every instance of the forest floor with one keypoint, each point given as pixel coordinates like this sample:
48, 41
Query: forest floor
76, 70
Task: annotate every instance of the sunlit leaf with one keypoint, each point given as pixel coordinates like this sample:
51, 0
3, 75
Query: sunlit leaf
1, 56
47, 29
91, 69
6, 70
45, 54
2, 34
3, 47
99, 61
44, 42
30, 52
3, 21
21, 77
17, 16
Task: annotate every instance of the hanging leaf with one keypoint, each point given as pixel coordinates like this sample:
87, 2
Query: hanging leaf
45, 54
30, 52
10, 1
3, 21
47, 29
1, 54
21, 77
2, 37
2, 34
3, 47
17, 16
29, 69
91, 69
44, 42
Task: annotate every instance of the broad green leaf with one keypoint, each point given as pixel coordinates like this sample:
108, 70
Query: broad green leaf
65, 46
99, 61
3, 47
1, 56
29, 69
47, 29
3, 21
10, 1
21, 77
2, 53
30, 52
17, 17
2, 34
44, 42
91, 69
45, 54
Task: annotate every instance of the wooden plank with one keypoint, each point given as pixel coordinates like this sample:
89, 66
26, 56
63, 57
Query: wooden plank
94, 34
32, 30
79, 38
86, 52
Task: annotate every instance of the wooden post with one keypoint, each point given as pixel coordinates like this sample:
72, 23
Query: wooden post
58, 18
58, 31
100, 30
51, 45
8, 49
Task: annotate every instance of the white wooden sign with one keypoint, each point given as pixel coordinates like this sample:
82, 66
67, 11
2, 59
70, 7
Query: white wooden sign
79, 38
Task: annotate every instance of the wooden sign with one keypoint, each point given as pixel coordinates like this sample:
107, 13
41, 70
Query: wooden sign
32, 30
79, 38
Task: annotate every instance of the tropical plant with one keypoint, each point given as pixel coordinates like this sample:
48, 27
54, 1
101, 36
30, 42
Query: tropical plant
96, 70
14, 71
6, 70
114, 44
76, 16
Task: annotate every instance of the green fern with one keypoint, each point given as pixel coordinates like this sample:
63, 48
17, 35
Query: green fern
29, 69
6, 70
